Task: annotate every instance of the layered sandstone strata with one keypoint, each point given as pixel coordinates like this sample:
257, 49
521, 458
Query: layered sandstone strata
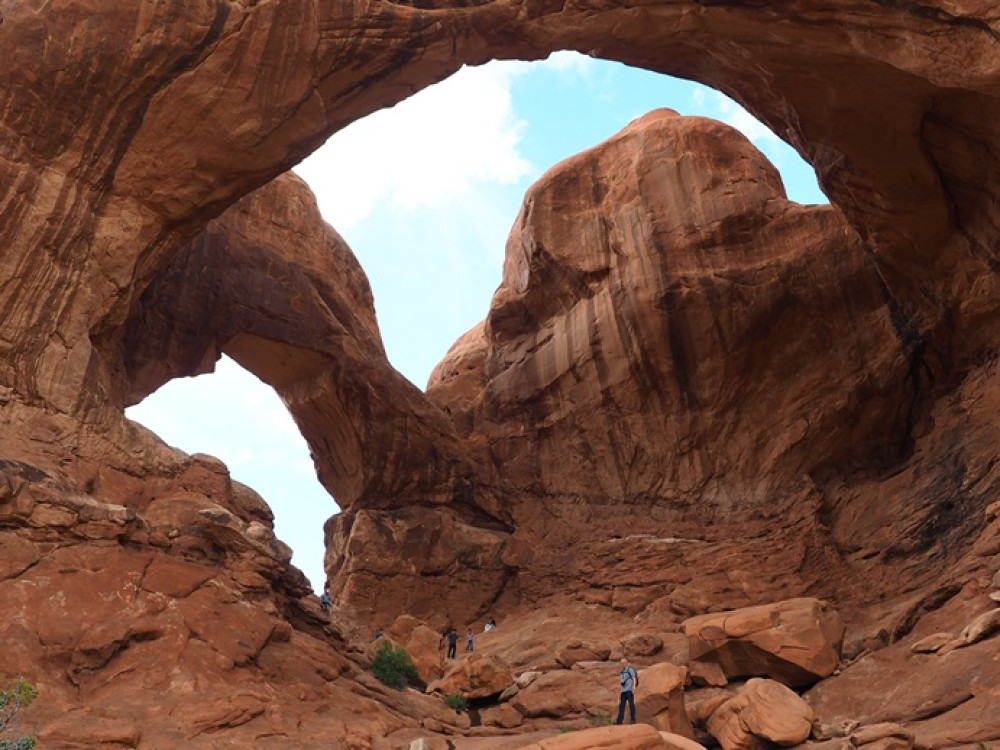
675, 351
689, 394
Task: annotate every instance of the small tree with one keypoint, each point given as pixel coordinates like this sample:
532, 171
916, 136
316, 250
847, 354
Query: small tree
15, 695
392, 666
457, 702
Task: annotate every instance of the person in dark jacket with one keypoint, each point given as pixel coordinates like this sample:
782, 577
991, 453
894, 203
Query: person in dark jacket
452, 638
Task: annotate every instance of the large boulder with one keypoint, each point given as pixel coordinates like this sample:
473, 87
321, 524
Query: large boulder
796, 642
423, 645
475, 676
659, 699
764, 712
566, 693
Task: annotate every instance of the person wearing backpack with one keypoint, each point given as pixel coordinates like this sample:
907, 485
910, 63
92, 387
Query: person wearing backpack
628, 679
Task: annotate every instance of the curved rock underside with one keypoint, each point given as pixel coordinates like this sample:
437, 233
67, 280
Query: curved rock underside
690, 394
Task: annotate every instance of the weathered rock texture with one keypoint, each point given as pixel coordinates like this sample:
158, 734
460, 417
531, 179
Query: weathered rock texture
796, 642
684, 356
689, 394
153, 604
764, 713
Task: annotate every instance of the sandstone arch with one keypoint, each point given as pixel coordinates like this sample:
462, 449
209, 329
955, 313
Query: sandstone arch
275, 288
203, 94
128, 128
208, 101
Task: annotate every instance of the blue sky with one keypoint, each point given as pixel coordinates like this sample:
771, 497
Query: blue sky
425, 193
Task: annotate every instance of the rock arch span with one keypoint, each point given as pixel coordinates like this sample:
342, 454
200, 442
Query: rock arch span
188, 108
134, 136
214, 99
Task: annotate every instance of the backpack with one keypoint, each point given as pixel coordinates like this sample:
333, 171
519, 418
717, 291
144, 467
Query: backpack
630, 670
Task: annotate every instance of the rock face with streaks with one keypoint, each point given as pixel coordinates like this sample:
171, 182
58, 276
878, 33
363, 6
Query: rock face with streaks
154, 603
661, 340
689, 394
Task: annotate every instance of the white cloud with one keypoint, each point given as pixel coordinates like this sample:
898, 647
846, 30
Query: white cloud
424, 151
721, 107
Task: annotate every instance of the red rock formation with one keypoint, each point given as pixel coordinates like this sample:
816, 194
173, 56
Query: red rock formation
689, 394
661, 702
667, 340
304, 323
762, 714
795, 642
139, 570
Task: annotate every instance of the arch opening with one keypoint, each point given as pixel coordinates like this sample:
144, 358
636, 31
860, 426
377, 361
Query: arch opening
428, 222
426, 192
232, 415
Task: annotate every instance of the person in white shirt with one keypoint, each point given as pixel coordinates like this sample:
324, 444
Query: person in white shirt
628, 679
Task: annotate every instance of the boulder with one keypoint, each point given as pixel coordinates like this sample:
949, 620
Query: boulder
422, 644
504, 715
796, 641
575, 651
642, 644
566, 693
659, 699
763, 712
700, 704
475, 676
708, 673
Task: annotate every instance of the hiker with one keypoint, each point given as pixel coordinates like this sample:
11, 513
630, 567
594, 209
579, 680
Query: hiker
628, 678
324, 600
452, 637
470, 640
490, 625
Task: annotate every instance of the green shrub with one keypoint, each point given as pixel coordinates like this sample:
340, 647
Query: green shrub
600, 719
392, 666
15, 695
458, 702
